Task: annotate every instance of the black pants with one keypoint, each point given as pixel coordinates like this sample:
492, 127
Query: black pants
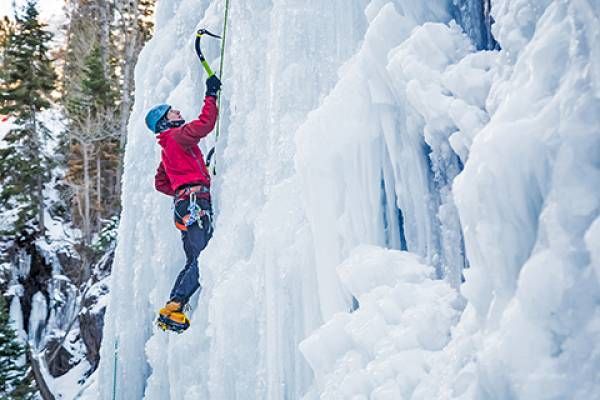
194, 239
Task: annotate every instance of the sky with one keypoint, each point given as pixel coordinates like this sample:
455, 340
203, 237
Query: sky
51, 11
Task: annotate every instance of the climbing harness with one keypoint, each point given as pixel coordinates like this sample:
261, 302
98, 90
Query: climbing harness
188, 189
194, 211
209, 71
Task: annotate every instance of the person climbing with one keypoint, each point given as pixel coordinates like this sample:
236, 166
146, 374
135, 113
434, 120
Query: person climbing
183, 174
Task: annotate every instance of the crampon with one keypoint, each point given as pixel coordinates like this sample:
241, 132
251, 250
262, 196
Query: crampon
172, 318
167, 324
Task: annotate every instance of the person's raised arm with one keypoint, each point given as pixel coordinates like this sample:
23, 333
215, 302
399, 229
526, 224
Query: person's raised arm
191, 133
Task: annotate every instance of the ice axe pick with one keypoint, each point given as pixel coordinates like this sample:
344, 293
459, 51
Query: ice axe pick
199, 34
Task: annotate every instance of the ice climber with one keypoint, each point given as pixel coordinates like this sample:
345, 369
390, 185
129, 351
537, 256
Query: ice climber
183, 174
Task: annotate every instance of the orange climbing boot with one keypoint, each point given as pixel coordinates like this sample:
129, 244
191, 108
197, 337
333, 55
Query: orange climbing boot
172, 318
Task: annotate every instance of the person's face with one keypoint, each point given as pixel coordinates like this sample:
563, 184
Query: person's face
174, 115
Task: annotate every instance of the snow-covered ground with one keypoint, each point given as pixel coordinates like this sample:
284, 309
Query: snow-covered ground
370, 155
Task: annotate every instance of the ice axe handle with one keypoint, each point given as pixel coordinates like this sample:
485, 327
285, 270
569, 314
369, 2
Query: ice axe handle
207, 68
199, 34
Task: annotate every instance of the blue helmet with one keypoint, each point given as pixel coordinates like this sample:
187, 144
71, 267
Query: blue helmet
154, 116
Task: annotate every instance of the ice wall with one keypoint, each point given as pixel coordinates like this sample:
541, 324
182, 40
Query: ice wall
533, 173
346, 127
524, 122
258, 301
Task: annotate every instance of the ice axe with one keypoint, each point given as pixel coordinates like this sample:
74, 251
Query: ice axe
199, 35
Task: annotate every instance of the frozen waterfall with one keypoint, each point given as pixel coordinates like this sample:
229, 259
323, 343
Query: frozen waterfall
386, 155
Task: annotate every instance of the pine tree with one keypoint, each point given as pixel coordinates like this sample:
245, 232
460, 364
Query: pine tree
27, 81
98, 101
97, 97
96, 87
6, 27
92, 133
15, 381
145, 19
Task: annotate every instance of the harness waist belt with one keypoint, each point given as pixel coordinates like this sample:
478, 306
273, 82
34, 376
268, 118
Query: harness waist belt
186, 191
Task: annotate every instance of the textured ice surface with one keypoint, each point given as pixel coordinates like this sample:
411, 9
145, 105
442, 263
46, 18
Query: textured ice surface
259, 302
382, 350
350, 129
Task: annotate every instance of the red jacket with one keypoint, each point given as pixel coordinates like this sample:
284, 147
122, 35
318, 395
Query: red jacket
181, 159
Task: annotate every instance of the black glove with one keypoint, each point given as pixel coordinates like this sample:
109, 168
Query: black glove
213, 85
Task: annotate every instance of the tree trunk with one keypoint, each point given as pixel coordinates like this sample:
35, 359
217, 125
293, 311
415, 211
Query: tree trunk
105, 15
39, 180
98, 186
86, 194
40, 200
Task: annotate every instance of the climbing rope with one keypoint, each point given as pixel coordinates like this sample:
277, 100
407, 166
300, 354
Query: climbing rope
199, 34
213, 168
115, 366
222, 60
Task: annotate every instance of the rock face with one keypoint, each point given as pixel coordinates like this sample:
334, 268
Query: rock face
91, 322
53, 301
85, 332
63, 360
70, 264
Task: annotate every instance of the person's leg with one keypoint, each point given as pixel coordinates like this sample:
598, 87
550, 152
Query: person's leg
194, 241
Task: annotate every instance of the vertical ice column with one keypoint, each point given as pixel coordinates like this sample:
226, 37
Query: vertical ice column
261, 256
148, 255
16, 320
37, 320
